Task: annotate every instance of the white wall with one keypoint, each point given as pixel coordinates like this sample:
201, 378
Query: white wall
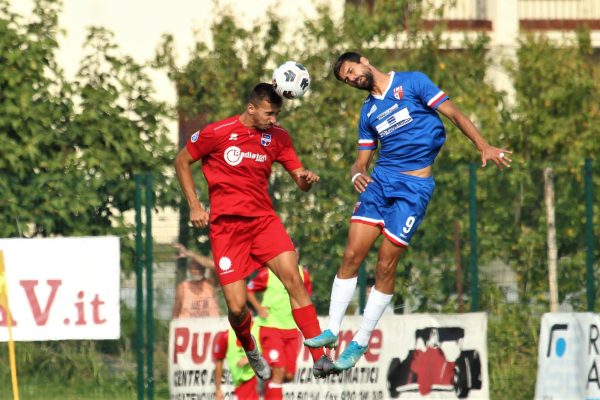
139, 24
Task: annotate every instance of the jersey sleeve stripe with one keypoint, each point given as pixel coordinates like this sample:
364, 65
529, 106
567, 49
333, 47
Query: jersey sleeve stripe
435, 100
367, 144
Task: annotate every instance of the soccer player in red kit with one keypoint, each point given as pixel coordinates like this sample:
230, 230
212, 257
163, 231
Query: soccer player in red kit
245, 232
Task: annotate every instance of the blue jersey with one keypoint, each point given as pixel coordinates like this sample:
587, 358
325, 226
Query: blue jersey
404, 120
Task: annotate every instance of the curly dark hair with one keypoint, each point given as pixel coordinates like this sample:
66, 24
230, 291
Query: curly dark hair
347, 56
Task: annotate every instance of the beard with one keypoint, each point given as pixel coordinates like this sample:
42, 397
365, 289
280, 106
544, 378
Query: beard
366, 82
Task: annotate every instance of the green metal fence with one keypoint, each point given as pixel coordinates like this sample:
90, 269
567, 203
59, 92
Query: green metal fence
500, 254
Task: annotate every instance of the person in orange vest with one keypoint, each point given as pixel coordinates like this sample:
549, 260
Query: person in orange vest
196, 297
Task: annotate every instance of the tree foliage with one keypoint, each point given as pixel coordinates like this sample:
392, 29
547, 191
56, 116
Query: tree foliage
70, 148
552, 120
538, 127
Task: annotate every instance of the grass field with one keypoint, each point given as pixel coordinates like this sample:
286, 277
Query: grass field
80, 391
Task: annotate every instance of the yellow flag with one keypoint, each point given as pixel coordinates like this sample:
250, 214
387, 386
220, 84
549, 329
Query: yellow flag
3, 295
3, 285
7, 315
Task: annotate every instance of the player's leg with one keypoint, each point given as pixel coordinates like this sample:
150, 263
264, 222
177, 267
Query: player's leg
241, 322
285, 267
247, 390
303, 310
237, 312
360, 240
365, 228
403, 213
291, 341
381, 294
273, 348
274, 387
231, 239
379, 299
273, 247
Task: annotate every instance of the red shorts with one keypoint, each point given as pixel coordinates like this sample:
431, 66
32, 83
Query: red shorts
280, 347
247, 390
240, 245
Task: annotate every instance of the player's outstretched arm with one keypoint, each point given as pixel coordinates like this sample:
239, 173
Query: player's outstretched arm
304, 178
204, 261
183, 162
498, 156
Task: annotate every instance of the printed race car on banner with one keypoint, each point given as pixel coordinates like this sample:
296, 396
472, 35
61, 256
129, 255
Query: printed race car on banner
436, 364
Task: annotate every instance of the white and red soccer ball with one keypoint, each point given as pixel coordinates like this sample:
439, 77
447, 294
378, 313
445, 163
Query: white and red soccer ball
291, 80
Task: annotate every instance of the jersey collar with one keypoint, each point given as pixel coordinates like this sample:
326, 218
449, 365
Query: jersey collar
382, 96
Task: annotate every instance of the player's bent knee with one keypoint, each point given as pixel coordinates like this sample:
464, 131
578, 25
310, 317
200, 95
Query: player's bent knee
386, 271
237, 311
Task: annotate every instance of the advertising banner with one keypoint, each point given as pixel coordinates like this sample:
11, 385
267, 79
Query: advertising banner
409, 357
61, 288
568, 357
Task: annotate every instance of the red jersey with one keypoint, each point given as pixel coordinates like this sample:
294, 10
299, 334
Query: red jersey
237, 162
219, 349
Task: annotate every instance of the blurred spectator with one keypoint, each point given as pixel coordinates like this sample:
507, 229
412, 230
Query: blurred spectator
196, 297
227, 347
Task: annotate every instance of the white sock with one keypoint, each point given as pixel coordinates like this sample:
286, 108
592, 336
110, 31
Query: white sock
342, 292
374, 309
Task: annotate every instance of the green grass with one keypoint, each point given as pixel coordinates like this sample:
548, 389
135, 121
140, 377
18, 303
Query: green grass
69, 391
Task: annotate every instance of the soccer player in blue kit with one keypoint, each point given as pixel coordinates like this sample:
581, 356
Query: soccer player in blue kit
400, 113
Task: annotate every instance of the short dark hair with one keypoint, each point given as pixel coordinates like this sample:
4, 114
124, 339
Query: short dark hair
265, 91
347, 56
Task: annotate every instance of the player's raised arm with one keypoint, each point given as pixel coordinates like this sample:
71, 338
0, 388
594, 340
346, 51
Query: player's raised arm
488, 153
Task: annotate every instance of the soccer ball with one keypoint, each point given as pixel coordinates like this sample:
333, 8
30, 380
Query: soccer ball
291, 80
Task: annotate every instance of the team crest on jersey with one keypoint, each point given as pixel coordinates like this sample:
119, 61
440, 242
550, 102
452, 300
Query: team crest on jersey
195, 137
265, 139
399, 92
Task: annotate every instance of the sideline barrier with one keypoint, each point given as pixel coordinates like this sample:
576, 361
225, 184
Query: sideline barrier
410, 356
569, 357
62, 288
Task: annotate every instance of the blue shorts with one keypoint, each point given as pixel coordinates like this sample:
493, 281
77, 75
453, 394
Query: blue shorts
395, 202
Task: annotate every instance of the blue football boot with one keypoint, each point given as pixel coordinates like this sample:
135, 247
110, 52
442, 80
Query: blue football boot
350, 356
325, 339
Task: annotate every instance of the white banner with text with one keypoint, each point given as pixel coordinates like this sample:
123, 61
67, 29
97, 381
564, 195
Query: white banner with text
569, 357
410, 357
61, 288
